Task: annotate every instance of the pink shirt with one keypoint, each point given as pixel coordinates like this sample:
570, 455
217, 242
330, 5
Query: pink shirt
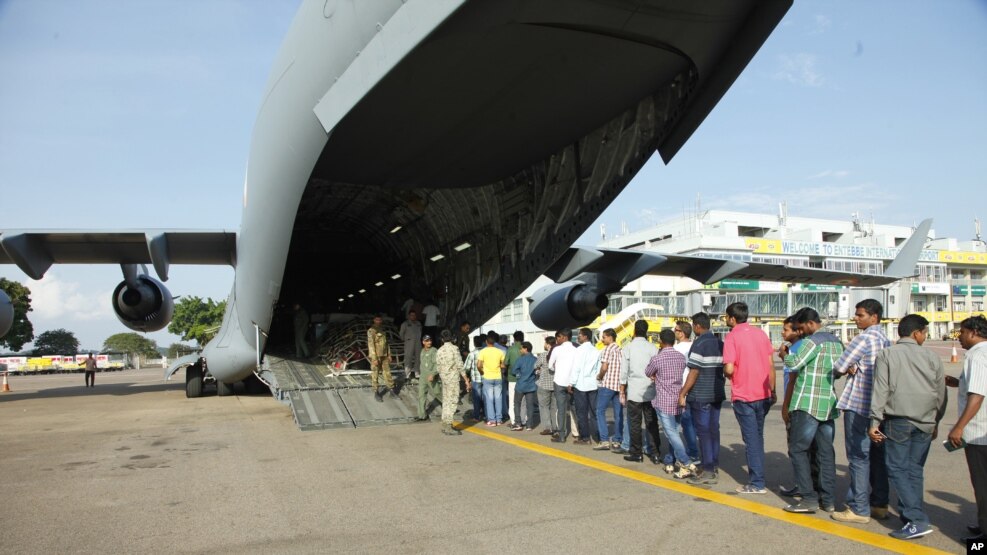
748, 349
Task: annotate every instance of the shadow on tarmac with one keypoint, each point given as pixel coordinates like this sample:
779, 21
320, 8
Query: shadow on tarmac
118, 389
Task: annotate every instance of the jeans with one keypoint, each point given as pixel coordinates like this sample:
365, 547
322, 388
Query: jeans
546, 408
562, 410
635, 412
528, 398
625, 444
804, 430
604, 398
689, 435
505, 400
670, 423
862, 465
477, 396
905, 451
750, 417
586, 414
706, 417
492, 399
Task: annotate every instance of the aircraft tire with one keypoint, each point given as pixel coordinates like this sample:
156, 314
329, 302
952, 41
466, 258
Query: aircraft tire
254, 386
223, 390
193, 381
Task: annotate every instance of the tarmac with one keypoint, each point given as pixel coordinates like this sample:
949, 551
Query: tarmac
133, 466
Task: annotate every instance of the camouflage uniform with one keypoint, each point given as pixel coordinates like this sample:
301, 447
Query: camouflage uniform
380, 358
427, 387
450, 367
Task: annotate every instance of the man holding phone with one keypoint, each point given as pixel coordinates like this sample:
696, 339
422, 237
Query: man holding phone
910, 405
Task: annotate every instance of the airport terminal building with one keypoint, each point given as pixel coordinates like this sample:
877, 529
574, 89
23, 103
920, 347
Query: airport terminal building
949, 286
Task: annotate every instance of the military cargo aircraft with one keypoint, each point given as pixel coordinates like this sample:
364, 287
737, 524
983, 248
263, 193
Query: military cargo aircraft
451, 147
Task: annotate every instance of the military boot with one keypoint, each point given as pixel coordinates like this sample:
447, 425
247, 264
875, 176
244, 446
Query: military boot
448, 430
379, 395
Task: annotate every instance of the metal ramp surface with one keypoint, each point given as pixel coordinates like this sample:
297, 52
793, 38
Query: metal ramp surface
320, 402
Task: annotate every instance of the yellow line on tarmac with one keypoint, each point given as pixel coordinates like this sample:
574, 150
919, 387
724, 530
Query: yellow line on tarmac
826, 526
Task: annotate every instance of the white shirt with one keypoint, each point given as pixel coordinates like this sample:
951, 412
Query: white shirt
583, 377
974, 380
431, 313
562, 360
684, 347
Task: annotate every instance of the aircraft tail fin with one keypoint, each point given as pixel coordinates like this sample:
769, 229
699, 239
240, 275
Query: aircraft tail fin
904, 264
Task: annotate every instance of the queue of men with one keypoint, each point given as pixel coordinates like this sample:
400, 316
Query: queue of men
891, 404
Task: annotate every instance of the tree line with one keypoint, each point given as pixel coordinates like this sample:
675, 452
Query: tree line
195, 319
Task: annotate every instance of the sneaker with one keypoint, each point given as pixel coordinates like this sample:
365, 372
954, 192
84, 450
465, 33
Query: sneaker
751, 489
546, 432
602, 447
527, 429
799, 507
911, 531
581, 441
669, 468
701, 478
557, 439
685, 471
880, 513
618, 450
848, 515
827, 508
517, 428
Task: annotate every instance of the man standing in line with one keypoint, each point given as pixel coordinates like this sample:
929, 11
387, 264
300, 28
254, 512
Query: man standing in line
812, 413
665, 369
748, 362
683, 338
301, 322
411, 335
512, 355
792, 334
426, 382
90, 371
546, 390
910, 404
524, 388
865, 459
703, 393
380, 359
582, 385
476, 379
608, 393
490, 362
463, 339
450, 367
561, 362
970, 431
636, 392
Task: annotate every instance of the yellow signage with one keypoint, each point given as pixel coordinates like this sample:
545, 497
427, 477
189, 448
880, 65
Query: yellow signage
763, 246
962, 257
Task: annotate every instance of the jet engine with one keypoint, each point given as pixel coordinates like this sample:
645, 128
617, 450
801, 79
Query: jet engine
143, 303
6, 313
566, 305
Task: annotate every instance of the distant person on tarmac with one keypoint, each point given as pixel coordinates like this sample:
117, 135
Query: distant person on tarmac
90, 371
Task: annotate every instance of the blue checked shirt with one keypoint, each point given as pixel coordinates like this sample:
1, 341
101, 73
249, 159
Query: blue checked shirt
862, 352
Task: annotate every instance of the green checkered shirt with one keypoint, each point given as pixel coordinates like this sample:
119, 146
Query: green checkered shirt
814, 363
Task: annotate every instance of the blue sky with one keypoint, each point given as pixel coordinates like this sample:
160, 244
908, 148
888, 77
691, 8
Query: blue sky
138, 115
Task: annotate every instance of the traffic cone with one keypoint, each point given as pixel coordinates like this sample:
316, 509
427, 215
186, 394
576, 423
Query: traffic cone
953, 358
6, 387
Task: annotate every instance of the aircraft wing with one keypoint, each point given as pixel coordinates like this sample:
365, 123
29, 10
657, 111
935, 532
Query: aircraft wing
623, 266
35, 251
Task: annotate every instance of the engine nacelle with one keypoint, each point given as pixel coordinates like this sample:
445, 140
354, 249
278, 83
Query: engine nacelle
6, 313
146, 307
566, 305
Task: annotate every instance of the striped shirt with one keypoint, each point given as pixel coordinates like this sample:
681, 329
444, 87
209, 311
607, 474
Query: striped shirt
814, 385
974, 380
612, 358
862, 352
469, 366
666, 369
707, 357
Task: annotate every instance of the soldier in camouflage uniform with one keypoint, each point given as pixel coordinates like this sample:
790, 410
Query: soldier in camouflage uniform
450, 367
380, 359
426, 380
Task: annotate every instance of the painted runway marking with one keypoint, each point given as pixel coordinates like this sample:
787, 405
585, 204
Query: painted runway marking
826, 526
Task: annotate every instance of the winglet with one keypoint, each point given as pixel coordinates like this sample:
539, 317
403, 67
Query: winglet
903, 265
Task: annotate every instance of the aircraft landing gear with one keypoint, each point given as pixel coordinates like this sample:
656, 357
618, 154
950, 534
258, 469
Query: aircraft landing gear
193, 381
223, 390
